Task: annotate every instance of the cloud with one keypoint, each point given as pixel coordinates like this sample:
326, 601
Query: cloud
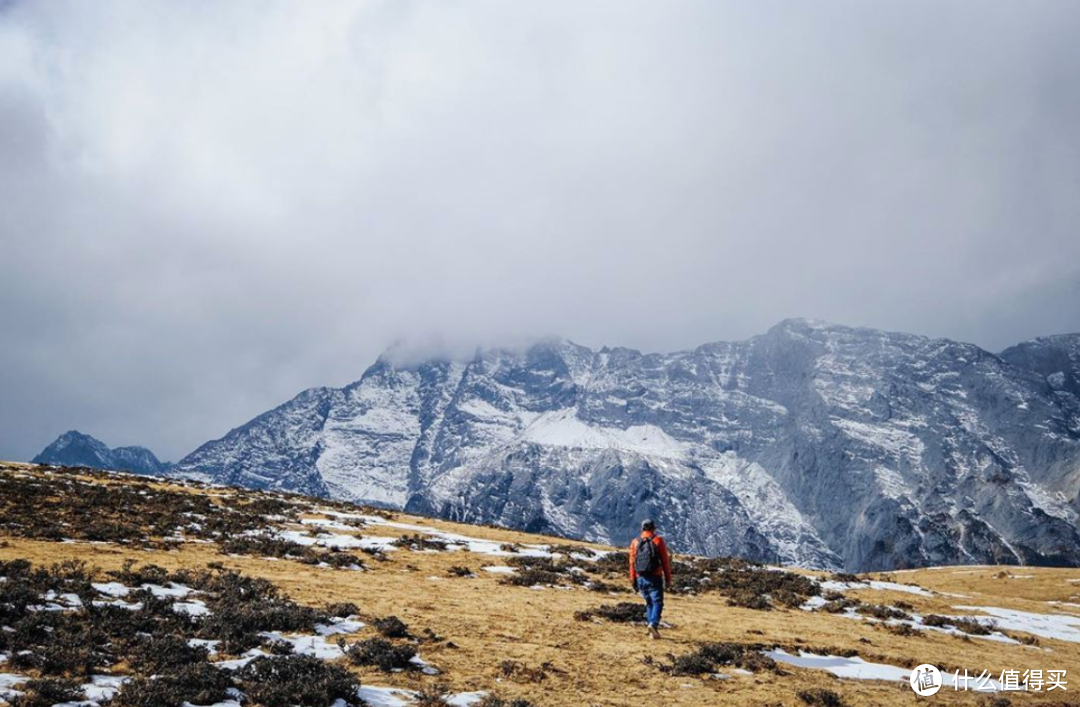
208, 207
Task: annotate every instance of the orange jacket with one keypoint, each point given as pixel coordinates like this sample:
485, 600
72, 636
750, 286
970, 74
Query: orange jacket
665, 558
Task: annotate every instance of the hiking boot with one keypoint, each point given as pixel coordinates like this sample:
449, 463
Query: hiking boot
653, 633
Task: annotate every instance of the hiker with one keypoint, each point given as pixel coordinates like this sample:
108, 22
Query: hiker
650, 568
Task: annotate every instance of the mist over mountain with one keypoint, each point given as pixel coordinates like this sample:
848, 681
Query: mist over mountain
813, 443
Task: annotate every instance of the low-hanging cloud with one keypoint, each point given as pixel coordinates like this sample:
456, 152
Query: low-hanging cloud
207, 207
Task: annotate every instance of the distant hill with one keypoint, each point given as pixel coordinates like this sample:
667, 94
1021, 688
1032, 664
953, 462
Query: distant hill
74, 448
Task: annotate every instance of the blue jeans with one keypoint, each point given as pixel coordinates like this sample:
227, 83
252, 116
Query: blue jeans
652, 590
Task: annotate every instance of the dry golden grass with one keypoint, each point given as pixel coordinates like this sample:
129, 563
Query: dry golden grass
594, 663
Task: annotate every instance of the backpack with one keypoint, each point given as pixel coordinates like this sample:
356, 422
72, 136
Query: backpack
646, 557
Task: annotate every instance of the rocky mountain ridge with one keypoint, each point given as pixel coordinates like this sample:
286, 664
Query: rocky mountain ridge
814, 444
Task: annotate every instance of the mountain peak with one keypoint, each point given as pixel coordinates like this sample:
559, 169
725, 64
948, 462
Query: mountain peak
74, 448
806, 323
76, 436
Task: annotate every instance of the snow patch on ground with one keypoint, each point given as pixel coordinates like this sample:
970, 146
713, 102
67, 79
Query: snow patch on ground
1060, 626
208, 644
471, 544
339, 626
8, 682
191, 608
103, 688
425, 667
131, 606
855, 668
240, 662
172, 591
834, 586
316, 645
112, 589
385, 696
67, 599
329, 524
377, 696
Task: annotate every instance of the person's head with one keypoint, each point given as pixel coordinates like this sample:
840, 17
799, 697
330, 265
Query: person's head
648, 525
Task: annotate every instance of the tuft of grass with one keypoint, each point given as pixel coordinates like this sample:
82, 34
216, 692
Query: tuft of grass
531, 577
242, 606
297, 680
163, 654
200, 684
432, 696
391, 627
819, 697
837, 606
968, 626
623, 612
47, 692
417, 543
612, 563
519, 672
382, 654
749, 599
905, 630
281, 647
884, 613
710, 656
133, 575
263, 544
341, 609
566, 549
493, 701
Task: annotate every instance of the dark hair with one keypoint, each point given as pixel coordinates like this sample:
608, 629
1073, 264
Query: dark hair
647, 524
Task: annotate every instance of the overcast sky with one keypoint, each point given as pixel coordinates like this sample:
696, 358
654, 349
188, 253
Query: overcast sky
206, 207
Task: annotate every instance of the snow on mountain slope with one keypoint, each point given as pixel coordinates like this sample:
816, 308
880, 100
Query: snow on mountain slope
368, 440
813, 443
563, 428
277, 450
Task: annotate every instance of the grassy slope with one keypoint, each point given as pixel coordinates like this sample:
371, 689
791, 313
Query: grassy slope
599, 663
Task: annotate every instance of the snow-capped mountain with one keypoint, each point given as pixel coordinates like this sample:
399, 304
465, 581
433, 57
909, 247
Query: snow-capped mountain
73, 448
815, 444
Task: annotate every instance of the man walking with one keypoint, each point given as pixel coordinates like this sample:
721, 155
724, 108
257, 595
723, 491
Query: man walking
650, 568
